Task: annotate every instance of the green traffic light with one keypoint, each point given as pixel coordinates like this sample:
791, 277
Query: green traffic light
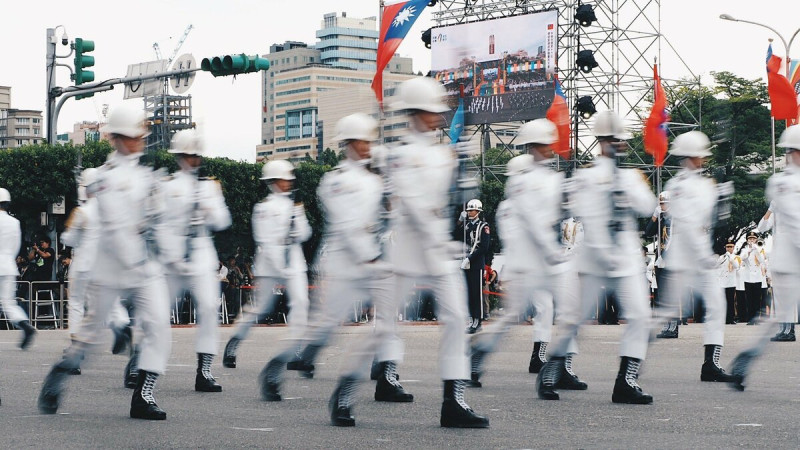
82, 61
233, 64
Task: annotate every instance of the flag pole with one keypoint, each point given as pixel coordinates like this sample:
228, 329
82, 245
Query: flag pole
381, 116
772, 120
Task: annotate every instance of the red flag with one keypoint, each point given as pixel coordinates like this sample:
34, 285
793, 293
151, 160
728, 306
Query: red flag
655, 130
781, 93
558, 113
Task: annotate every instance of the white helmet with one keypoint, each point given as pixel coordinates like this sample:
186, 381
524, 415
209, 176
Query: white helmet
278, 169
474, 205
5, 196
421, 93
126, 120
187, 142
663, 197
358, 126
519, 164
608, 123
790, 138
539, 131
692, 144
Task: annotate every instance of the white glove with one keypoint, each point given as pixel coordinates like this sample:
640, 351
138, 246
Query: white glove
465, 264
463, 216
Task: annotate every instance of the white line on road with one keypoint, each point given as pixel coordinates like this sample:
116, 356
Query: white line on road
252, 429
748, 425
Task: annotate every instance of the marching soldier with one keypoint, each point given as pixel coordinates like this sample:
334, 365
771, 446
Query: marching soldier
10, 240
727, 265
130, 207
477, 241
536, 265
608, 200
660, 227
783, 192
690, 262
280, 227
421, 173
194, 209
786, 333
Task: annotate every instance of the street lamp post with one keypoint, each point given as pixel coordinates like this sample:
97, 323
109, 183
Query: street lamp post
786, 47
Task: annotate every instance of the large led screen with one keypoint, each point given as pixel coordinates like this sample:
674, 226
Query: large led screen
503, 67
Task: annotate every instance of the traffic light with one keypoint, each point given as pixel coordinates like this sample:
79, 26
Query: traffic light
82, 61
221, 66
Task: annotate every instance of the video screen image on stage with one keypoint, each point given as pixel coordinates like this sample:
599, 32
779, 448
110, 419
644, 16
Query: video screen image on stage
504, 68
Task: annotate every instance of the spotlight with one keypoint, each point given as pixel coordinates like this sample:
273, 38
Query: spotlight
586, 61
585, 16
426, 38
585, 107
432, 3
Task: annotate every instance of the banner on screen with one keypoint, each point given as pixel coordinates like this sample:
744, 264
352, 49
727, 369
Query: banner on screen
505, 65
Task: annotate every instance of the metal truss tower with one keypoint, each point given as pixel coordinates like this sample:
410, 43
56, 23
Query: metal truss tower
625, 40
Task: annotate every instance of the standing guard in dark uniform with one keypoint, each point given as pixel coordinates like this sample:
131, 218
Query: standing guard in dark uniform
476, 241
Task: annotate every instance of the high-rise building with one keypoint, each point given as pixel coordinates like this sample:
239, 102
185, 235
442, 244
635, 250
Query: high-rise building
19, 127
293, 122
5, 97
83, 132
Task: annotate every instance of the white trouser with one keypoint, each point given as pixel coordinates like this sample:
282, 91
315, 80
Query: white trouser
450, 292
545, 292
78, 299
339, 297
150, 300
631, 293
205, 292
297, 288
705, 283
786, 292
8, 298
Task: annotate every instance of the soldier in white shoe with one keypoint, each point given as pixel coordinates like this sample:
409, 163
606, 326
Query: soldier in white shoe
280, 227
130, 206
10, 240
421, 174
690, 262
195, 208
783, 192
609, 200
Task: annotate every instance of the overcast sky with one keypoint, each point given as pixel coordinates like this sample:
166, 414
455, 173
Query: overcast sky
229, 110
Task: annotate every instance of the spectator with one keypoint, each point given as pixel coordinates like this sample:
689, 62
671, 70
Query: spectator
235, 278
222, 276
489, 285
42, 258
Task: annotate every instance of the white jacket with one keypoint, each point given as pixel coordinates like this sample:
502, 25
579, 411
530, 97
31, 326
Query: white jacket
592, 204
783, 191
10, 240
727, 265
752, 262
83, 235
421, 172
276, 237
194, 209
693, 199
351, 197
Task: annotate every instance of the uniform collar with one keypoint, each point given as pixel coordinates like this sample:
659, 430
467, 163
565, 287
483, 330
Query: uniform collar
422, 138
349, 164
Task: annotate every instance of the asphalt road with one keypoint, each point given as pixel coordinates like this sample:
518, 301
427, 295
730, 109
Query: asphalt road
686, 412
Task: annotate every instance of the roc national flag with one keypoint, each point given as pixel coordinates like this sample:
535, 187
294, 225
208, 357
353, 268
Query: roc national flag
396, 21
558, 113
655, 130
782, 96
457, 124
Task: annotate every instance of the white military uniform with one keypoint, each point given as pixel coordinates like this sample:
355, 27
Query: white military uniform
82, 234
351, 197
279, 227
526, 223
421, 171
614, 263
727, 265
783, 190
690, 261
130, 207
194, 208
10, 239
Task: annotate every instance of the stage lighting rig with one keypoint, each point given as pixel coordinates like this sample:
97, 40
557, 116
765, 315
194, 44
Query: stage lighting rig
585, 107
585, 16
586, 61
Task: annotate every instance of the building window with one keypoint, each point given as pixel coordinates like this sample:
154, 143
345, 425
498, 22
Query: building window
23, 120
36, 131
35, 120
20, 142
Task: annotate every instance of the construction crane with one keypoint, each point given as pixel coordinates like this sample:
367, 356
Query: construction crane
177, 47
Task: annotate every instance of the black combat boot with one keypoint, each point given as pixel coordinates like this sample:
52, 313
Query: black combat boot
538, 357
388, 389
670, 331
204, 381
569, 380
269, 380
305, 365
711, 370
122, 339
740, 367
27, 334
790, 337
341, 403
626, 388
131, 376
143, 404
476, 363
455, 411
376, 370
53, 385
229, 357
549, 378
786, 334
